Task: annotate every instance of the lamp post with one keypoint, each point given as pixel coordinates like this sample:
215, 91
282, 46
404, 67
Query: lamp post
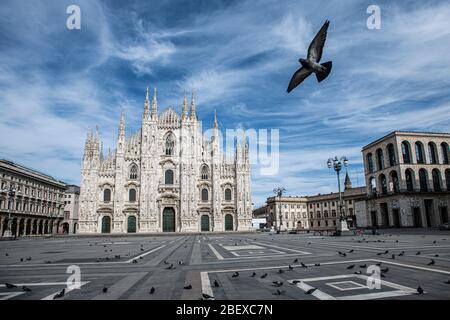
337, 164
279, 192
11, 192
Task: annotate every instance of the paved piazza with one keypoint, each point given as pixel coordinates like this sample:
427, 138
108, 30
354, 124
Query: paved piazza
130, 266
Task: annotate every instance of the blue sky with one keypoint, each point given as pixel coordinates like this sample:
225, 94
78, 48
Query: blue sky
239, 57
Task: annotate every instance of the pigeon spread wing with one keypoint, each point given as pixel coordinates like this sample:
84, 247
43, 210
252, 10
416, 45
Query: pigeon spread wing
316, 47
300, 75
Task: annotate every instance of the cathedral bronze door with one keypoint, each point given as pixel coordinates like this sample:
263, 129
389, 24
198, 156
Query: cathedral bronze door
106, 224
204, 221
131, 225
169, 220
228, 222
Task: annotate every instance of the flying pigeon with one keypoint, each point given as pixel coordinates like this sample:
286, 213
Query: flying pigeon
311, 64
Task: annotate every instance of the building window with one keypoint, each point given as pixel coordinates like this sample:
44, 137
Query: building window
132, 195
436, 180
409, 180
432, 153
447, 178
419, 152
107, 195
394, 180
383, 184
370, 162
205, 172
406, 152
373, 185
444, 150
380, 159
133, 172
168, 177
204, 194
391, 154
227, 194
423, 180
170, 145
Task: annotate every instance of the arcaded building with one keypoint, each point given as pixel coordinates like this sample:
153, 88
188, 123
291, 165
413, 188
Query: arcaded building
408, 180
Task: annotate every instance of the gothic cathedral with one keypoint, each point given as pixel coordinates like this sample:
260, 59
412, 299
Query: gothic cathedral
167, 177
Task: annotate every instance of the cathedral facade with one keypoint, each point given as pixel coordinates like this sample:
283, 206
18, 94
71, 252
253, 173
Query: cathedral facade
167, 177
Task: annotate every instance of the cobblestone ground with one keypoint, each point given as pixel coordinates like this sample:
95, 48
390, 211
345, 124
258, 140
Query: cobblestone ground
231, 266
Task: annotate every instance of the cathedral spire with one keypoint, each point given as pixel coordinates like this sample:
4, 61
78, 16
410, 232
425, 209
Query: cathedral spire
101, 151
154, 106
122, 125
146, 106
184, 109
215, 119
193, 113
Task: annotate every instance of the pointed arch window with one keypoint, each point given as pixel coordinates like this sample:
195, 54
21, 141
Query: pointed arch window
205, 172
170, 145
133, 172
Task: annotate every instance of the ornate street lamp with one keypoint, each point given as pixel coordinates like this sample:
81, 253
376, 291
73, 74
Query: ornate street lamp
11, 192
279, 192
337, 164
